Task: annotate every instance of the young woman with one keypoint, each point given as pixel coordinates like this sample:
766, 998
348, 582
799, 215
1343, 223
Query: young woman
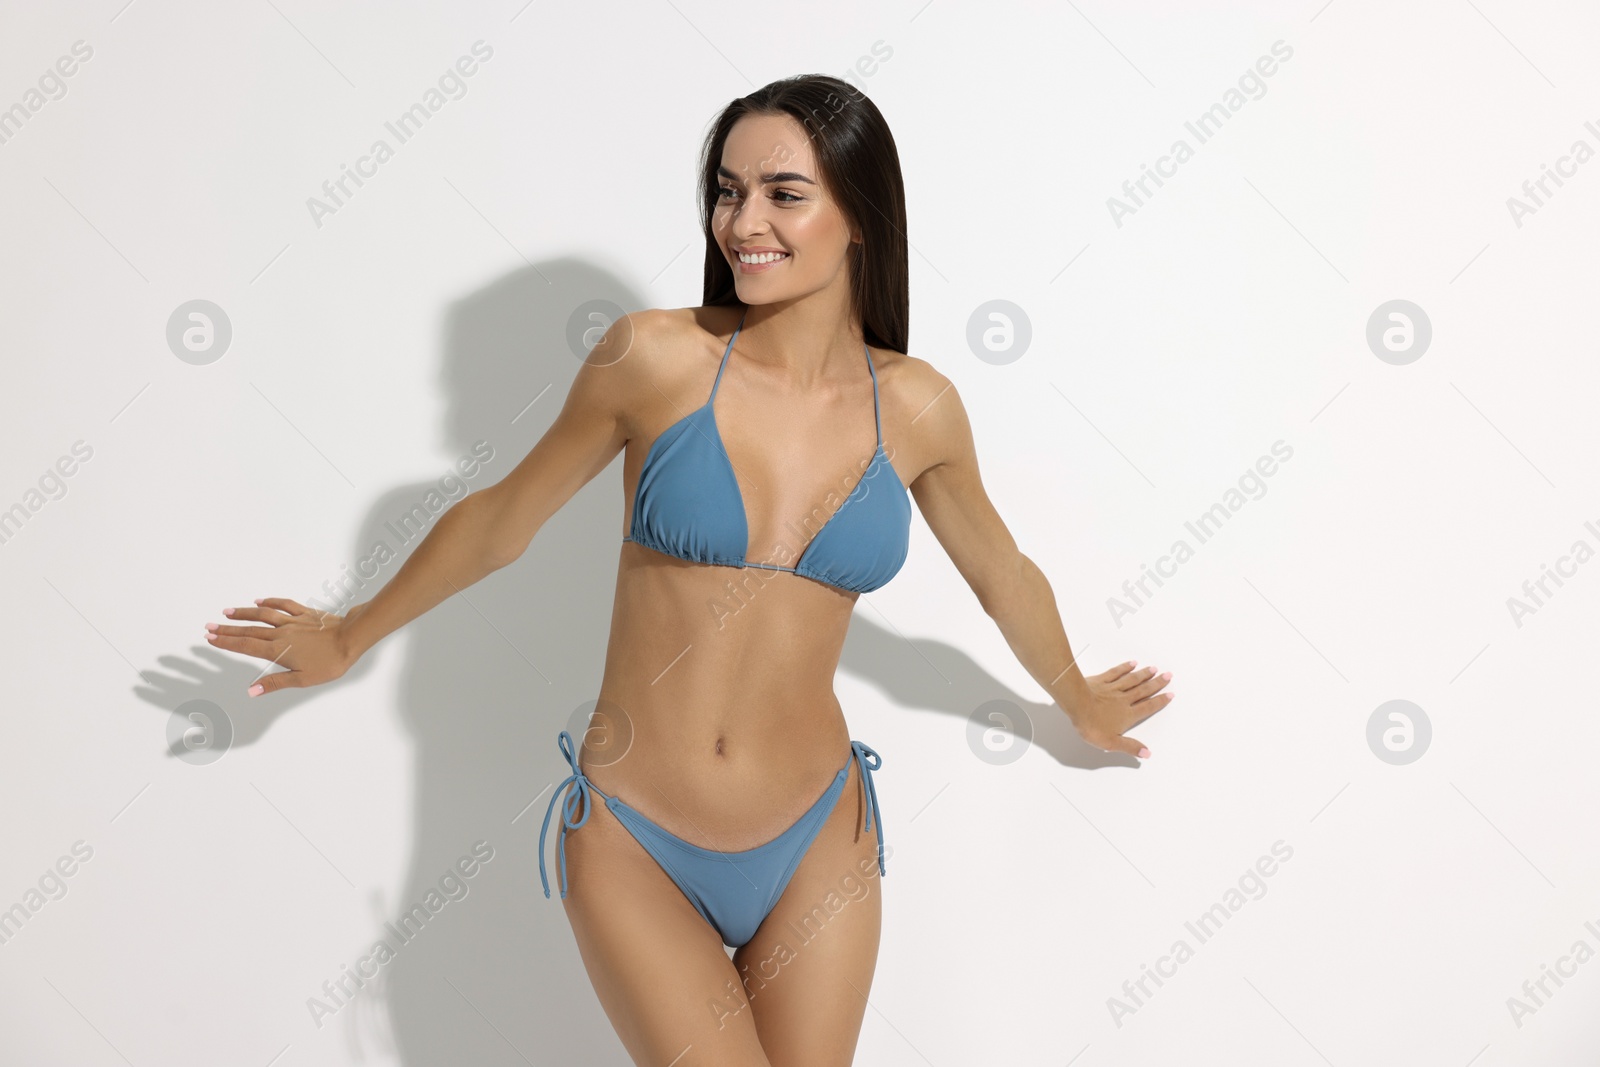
773, 440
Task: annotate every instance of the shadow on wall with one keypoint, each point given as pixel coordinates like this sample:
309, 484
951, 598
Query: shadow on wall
490, 677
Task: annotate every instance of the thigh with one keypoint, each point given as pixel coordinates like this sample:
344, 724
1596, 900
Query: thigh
661, 972
809, 968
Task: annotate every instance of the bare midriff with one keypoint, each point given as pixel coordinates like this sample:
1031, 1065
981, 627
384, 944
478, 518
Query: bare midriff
716, 717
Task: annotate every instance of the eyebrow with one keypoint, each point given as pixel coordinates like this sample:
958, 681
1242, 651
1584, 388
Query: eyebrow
768, 179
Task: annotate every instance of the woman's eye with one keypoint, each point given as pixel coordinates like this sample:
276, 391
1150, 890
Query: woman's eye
725, 193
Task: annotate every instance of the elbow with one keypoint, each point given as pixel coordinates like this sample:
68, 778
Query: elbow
503, 555
1004, 585
499, 544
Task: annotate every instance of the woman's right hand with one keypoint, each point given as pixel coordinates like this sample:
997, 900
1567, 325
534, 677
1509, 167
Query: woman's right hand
311, 643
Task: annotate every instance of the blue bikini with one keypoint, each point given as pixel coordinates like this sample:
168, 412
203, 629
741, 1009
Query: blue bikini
688, 505
733, 891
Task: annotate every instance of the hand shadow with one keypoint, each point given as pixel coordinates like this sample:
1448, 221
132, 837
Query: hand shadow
220, 679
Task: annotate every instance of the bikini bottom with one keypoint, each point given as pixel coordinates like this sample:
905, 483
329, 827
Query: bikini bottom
733, 891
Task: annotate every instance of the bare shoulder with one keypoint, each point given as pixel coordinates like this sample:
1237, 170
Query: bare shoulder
922, 407
653, 358
640, 345
671, 340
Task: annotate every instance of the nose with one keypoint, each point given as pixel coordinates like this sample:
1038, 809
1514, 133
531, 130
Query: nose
748, 220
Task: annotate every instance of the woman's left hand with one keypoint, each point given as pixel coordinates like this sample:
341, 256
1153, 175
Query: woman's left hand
1118, 699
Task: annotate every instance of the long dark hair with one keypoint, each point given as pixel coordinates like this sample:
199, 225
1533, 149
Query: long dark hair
861, 171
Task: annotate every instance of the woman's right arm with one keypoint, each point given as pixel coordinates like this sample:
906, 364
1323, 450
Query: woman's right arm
491, 528
479, 534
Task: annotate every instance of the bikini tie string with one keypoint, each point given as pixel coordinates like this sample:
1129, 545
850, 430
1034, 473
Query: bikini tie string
863, 753
575, 800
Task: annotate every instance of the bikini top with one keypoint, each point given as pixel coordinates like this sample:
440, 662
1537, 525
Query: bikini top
688, 505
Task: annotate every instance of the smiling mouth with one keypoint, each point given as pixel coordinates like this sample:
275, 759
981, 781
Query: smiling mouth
758, 258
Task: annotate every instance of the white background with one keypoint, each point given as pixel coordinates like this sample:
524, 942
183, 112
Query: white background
1168, 354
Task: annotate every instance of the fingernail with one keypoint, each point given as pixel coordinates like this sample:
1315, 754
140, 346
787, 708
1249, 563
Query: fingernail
210, 636
255, 690
211, 627
1166, 676
227, 611
259, 599
1144, 753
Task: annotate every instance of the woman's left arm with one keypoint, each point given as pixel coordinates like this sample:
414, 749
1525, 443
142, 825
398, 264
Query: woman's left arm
1012, 590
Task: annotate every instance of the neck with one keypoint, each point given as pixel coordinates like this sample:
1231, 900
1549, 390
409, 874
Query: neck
805, 340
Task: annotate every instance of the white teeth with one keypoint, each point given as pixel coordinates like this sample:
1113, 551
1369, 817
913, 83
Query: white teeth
764, 257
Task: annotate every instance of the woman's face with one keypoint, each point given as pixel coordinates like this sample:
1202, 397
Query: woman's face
771, 199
